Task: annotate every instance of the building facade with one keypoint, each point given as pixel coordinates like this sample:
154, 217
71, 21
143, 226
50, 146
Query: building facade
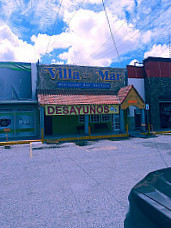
19, 116
60, 100
153, 82
79, 100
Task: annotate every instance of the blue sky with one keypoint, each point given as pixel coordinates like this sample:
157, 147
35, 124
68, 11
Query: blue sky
77, 31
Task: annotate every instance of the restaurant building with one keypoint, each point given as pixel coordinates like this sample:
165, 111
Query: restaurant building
79, 100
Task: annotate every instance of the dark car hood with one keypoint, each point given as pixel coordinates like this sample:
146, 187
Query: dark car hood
150, 201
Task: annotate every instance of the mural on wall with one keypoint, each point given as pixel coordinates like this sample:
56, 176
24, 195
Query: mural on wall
15, 81
6, 122
79, 77
25, 123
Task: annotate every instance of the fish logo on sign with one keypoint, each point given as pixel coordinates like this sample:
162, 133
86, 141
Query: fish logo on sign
113, 109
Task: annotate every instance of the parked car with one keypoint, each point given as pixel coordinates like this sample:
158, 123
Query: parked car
150, 202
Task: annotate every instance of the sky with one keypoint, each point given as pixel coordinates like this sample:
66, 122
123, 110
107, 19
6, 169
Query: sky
107, 33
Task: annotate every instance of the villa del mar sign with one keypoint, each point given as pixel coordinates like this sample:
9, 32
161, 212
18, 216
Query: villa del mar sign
81, 77
62, 73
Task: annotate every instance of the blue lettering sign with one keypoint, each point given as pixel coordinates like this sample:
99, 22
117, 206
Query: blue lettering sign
63, 73
52, 71
83, 85
103, 75
68, 74
106, 75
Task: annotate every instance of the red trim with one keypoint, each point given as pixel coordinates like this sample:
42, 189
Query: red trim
158, 69
135, 72
130, 102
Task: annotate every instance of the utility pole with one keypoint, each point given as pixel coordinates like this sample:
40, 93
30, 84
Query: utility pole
169, 48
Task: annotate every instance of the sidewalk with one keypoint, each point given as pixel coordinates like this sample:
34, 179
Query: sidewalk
94, 136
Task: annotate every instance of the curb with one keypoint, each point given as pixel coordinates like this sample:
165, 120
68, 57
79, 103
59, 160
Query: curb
57, 140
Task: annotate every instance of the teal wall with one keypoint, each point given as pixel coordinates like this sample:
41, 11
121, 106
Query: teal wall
103, 129
64, 124
131, 123
68, 125
22, 121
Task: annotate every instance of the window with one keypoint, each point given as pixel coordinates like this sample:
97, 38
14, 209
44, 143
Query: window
24, 109
117, 123
81, 118
6, 110
105, 118
95, 118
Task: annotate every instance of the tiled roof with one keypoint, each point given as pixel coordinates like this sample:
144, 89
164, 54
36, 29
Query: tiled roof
75, 92
123, 92
77, 99
71, 97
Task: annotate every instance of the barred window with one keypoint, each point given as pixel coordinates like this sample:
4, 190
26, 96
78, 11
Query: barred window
105, 117
95, 118
81, 118
117, 123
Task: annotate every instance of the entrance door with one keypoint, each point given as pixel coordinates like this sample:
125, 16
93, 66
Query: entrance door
115, 122
165, 115
137, 114
48, 125
137, 120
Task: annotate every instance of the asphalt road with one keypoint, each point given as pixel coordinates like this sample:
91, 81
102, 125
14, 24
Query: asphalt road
75, 185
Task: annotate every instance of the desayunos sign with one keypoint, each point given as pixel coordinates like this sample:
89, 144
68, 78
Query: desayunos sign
81, 109
61, 73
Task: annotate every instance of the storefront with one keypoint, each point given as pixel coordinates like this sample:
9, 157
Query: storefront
76, 100
158, 91
152, 79
18, 105
19, 120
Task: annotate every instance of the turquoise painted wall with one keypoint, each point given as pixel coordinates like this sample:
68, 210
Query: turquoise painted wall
64, 125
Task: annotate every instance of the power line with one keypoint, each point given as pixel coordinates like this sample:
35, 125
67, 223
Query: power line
100, 53
134, 34
53, 26
100, 46
76, 11
71, 18
131, 18
143, 28
169, 48
160, 154
110, 29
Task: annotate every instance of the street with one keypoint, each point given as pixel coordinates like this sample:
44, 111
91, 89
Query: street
75, 185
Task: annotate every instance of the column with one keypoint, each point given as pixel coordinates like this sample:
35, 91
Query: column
86, 123
42, 122
122, 128
143, 120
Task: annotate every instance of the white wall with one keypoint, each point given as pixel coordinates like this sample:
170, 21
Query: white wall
138, 83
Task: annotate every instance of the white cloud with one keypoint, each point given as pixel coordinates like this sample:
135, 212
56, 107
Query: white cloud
92, 43
41, 13
146, 37
11, 6
14, 49
54, 61
86, 41
120, 7
158, 51
134, 62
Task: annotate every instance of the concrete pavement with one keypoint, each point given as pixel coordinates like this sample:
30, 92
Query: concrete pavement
75, 185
